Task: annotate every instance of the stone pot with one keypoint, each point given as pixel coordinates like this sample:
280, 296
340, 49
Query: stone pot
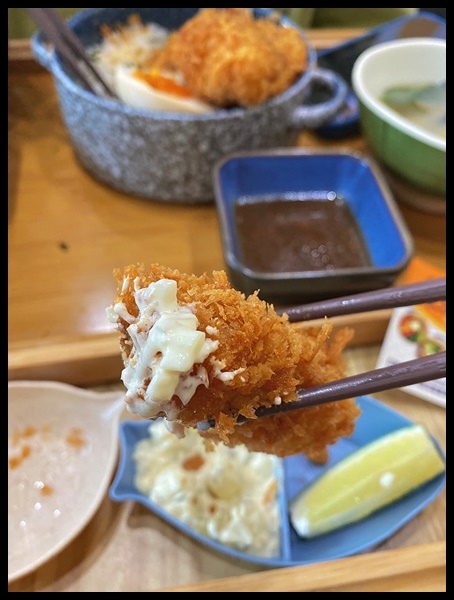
168, 156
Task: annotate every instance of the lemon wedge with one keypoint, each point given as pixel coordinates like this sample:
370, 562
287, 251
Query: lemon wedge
366, 480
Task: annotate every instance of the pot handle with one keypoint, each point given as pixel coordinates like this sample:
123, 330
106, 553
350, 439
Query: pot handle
313, 116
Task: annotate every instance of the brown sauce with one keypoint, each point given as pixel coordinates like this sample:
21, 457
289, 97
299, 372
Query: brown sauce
311, 234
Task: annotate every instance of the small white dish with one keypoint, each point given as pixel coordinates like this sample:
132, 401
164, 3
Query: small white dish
62, 451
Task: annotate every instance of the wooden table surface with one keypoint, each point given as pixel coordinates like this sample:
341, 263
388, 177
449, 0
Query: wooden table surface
66, 233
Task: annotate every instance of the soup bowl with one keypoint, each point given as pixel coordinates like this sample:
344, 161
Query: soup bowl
415, 153
170, 156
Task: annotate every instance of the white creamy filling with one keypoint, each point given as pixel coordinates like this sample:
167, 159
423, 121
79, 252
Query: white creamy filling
166, 346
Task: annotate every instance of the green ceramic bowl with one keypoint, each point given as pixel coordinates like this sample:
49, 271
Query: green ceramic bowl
411, 151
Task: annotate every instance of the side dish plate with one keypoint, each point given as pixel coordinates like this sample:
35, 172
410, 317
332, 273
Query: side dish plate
375, 421
62, 452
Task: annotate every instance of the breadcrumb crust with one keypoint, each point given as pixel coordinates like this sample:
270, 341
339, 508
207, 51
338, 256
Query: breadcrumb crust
229, 58
273, 359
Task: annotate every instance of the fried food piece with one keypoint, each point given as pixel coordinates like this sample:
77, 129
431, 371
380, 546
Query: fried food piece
227, 355
229, 58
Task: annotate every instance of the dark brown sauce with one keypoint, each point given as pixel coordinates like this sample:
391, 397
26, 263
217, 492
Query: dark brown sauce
311, 234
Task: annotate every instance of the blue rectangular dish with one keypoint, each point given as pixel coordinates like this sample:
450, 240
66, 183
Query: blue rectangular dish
298, 176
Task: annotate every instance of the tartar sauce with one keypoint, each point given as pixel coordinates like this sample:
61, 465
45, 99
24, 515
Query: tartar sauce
227, 494
167, 351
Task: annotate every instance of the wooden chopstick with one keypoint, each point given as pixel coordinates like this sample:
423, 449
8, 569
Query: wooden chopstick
69, 46
421, 369
392, 297
418, 370
425, 368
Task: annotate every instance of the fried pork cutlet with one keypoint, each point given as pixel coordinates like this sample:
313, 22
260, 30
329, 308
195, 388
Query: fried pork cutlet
229, 58
195, 349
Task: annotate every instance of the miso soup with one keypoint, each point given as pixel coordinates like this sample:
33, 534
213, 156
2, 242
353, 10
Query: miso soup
424, 105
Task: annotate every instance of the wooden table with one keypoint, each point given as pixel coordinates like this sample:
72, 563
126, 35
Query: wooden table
66, 234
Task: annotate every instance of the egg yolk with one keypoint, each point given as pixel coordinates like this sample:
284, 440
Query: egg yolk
164, 84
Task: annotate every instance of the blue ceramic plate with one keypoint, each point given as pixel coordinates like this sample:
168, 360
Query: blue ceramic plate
375, 421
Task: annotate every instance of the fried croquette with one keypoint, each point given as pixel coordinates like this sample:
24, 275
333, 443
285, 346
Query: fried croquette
195, 349
229, 58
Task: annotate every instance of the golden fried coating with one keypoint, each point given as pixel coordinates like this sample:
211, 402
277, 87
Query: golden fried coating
265, 358
229, 58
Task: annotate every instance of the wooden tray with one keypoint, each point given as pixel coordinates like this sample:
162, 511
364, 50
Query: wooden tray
418, 569
126, 548
95, 359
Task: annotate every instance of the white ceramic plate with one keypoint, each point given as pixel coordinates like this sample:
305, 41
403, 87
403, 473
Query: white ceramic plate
62, 451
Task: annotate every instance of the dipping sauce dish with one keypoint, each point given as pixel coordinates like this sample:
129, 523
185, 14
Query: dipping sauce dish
302, 226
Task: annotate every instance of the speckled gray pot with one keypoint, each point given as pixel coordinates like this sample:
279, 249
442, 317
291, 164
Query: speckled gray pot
170, 156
